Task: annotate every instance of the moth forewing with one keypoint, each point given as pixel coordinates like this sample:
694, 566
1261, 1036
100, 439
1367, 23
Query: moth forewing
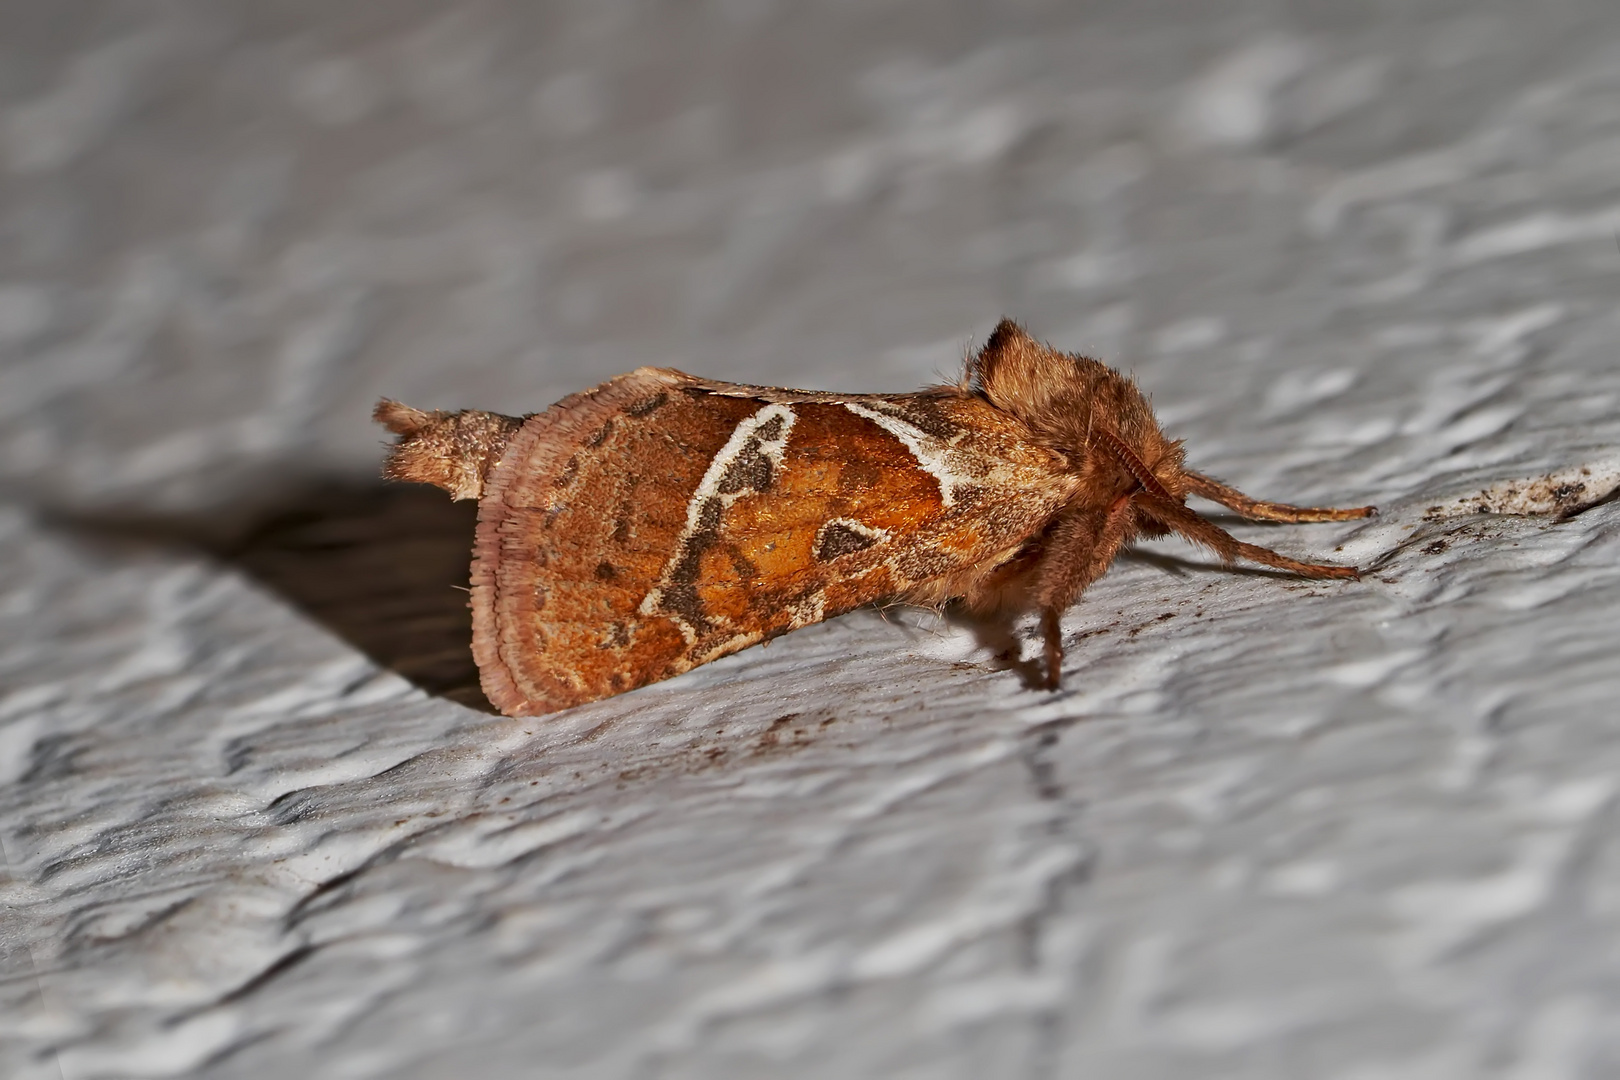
653, 524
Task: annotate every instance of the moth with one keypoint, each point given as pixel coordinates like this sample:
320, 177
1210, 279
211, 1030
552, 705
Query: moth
637, 530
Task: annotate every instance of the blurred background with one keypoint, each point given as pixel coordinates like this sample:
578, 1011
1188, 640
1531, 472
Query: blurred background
227, 228
257, 819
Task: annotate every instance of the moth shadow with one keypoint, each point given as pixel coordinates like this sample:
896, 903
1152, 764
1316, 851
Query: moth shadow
384, 567
1177, 566
998, 636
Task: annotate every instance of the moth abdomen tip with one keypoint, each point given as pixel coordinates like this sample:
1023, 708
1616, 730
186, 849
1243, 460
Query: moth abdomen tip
454, 451
399, 418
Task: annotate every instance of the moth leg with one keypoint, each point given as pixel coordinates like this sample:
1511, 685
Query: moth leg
1260, 510
1188, 524
1052, 633
1078, 550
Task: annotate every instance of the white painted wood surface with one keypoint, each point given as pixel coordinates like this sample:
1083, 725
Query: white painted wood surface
1270, 829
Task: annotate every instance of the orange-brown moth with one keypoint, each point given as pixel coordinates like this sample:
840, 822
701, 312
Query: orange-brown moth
637, 530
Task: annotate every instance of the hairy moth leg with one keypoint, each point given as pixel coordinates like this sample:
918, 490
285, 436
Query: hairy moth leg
1079, 550
1260, 510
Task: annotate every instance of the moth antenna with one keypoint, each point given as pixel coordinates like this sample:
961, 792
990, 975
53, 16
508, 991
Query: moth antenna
1136, 466
1186, 523
454, 451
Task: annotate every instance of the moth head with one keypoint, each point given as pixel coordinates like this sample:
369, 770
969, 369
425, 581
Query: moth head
1096, 417
454, 451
